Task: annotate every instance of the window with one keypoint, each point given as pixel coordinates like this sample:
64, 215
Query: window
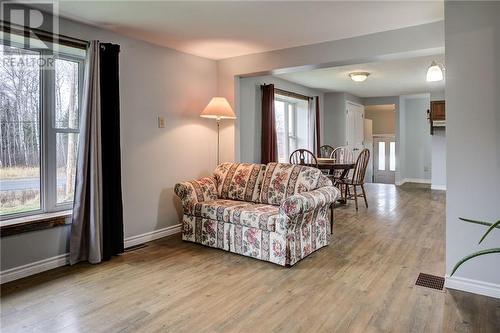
381, 156
392, 156
39, 114
292, 119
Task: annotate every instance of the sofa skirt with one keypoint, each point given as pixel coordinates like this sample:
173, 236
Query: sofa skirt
281, 249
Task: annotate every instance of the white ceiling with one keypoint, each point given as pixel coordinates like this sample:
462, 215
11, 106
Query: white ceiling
388, 78
226, 29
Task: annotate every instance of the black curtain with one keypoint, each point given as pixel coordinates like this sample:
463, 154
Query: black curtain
112, 215
269, 141
317, 127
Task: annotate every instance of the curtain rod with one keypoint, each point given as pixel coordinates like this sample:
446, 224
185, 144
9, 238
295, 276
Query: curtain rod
44, 35
290, 94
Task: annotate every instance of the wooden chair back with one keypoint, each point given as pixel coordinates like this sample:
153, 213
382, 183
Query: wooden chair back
342, 155
358, 176
303, 157
326, 151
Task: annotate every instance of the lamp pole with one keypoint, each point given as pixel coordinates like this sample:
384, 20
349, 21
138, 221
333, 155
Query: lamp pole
218, 127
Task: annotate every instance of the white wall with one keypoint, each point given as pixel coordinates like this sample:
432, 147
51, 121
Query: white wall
153, 81
384, 121
335, 117
407, 42
473, 140
251, 111
438, 177
416, 138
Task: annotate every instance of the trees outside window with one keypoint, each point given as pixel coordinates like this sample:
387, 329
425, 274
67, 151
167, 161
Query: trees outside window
292, 125
39, 121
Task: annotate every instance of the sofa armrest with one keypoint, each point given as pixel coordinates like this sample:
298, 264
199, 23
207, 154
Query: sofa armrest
304, 202
194, 191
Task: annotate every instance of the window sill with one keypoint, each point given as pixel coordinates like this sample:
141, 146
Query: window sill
34, 222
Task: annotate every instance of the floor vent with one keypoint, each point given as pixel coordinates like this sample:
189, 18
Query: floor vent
430, 281
135, 247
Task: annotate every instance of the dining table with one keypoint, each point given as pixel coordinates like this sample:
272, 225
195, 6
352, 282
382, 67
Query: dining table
332, 165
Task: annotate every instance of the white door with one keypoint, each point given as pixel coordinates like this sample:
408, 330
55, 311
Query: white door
384, 160
368, 144
354, 127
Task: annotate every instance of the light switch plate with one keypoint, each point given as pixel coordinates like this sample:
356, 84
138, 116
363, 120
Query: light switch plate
161, 122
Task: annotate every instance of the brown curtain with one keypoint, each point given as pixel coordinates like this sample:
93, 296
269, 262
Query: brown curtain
269, 146
318, 128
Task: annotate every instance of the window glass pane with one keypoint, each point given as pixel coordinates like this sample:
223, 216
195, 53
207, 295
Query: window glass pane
66, 94
279, 110
291, 120
392, 156
381, 156
19, 130
66, 152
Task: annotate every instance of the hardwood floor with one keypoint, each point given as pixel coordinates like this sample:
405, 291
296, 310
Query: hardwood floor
362, 282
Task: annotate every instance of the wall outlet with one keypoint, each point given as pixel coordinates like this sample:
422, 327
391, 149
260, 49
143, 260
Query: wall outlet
161, 122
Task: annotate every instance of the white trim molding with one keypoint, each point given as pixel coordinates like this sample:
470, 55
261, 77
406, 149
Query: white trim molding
472, 286
63, 259
152, 235
34, 268
413, 180
438, 187
388, 135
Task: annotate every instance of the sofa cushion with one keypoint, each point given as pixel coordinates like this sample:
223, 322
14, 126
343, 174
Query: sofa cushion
283, 180
243, 213
239, 181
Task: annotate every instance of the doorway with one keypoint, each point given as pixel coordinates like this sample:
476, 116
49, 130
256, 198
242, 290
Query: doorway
384, 161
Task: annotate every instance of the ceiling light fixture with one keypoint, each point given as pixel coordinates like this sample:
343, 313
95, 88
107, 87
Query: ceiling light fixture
359, 76
435, 72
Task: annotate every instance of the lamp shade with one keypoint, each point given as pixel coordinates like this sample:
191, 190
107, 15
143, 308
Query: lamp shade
359, 76
218, 108
434, 73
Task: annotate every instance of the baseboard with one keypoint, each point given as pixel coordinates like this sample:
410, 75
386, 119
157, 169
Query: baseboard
63, 259
34, 268
472, 286
438, 187
413, 180
152, 235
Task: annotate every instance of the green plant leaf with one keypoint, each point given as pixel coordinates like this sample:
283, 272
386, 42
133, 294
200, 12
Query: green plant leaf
493, 226
473, 255
477, 222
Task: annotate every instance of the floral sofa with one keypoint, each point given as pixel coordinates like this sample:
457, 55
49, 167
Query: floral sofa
277, 213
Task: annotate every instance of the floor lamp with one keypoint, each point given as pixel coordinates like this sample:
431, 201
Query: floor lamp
218, 109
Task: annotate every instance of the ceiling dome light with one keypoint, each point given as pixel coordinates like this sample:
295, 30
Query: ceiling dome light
359, 76
435, 72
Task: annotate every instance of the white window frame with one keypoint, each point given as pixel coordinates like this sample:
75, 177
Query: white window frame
48, 134
293, 135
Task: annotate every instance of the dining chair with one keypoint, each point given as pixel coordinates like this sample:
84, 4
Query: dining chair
303, 157
340, 155
357, 179
325, 151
